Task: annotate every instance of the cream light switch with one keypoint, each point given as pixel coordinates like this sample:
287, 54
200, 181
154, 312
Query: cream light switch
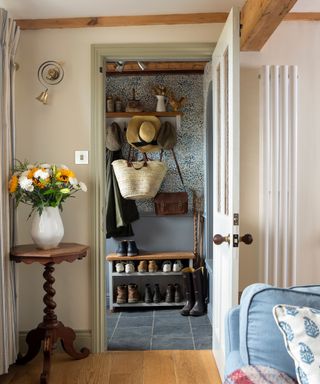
81, 157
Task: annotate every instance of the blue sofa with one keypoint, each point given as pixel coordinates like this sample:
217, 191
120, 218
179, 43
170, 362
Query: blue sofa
252, 337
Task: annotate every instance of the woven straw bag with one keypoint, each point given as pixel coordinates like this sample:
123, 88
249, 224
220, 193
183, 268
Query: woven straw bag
139, 180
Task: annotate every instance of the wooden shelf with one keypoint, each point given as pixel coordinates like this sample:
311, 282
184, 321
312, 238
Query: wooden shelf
142, 304
182, 255
130, 114
122, 274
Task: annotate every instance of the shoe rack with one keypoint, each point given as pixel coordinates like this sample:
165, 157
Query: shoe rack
142, 278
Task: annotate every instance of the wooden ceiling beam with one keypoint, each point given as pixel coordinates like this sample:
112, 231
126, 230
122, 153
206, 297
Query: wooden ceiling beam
157, 66
259, 19
303, 16
123, 21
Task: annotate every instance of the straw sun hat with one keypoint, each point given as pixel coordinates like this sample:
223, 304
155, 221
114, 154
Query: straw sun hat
142, 133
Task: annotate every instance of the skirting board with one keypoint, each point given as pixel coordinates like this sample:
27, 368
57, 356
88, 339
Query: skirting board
83, 339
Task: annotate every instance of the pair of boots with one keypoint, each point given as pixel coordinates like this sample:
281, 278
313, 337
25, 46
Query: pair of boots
173, 294
194, 292
127, 294
150, 297
127, 248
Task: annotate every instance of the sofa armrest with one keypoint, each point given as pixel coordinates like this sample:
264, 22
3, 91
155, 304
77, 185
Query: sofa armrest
232, 330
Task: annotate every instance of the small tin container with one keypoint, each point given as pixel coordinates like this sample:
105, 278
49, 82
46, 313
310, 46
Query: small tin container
110, 104
118, 105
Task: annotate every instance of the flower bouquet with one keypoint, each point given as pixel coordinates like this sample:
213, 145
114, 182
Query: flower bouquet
44, 187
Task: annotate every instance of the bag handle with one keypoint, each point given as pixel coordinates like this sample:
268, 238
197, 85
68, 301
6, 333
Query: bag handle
177, 165
130, 160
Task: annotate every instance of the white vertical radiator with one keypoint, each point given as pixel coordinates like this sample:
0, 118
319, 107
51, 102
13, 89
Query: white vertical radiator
278, 180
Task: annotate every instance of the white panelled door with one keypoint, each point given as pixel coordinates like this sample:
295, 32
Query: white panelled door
225, 67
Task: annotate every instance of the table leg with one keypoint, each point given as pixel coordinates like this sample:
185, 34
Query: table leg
47, 349
68, 336
33, 339
50, 331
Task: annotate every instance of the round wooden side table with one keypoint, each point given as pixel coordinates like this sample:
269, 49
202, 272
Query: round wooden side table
50, 330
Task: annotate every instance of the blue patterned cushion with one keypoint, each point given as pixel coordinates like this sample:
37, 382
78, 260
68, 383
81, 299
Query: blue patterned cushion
300, 327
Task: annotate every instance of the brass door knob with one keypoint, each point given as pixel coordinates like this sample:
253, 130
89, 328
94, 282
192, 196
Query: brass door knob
219, 239
247, 238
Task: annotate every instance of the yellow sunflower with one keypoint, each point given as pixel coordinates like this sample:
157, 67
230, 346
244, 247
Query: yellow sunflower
64, 175
13, 184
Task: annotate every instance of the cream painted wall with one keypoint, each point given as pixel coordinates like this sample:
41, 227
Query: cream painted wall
51, 133
292, 43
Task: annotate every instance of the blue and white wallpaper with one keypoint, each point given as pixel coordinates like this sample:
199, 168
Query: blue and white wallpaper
190, 145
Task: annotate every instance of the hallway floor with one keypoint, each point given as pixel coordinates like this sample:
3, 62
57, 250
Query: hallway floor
161, 329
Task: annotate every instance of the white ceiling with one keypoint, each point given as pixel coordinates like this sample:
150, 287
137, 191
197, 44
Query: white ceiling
33, 9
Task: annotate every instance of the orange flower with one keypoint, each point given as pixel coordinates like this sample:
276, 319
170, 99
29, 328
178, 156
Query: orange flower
64, 175
32, 172
13, 184
36, 182
40, 184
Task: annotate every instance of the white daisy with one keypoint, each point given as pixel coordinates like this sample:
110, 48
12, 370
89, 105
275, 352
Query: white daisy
83, 186
26, 184
40, 174
73, 181
45, 165
63, 166
24, 174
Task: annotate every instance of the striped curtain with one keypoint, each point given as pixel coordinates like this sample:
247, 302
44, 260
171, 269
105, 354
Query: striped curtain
9, 36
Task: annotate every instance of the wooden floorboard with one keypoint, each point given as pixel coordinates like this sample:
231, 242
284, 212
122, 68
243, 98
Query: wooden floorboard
134, 367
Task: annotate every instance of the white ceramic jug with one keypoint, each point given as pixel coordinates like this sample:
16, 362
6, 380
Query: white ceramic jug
162, 102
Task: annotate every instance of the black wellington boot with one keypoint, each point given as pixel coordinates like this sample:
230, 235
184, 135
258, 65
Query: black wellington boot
188, 287
157, 294
199, 306
147, 294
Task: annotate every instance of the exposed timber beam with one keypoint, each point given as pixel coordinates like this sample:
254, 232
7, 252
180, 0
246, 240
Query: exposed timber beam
132, 67
259, 19
303, 16
123, 21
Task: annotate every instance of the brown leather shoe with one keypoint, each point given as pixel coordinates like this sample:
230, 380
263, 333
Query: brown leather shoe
122, 294
143, 266
152, 267
133, 293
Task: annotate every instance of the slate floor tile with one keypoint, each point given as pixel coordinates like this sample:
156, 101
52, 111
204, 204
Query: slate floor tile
165, 320
201, 331
139, 321
111, 314
161, 329
172, 343
200, 320
135, 313
166, 312
131, 333
129, 344
203, 343
172, 330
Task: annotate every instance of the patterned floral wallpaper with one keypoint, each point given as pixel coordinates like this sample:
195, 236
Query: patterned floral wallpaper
190, 146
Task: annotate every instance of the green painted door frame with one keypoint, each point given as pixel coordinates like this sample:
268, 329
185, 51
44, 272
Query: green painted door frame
99, 54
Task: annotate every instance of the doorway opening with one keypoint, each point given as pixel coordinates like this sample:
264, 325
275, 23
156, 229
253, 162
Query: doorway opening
101, 53
154, 321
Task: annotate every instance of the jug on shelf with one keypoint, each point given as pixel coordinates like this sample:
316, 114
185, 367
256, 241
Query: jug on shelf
162, 102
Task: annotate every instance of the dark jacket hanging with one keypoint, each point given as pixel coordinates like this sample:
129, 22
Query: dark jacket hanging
120, 213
